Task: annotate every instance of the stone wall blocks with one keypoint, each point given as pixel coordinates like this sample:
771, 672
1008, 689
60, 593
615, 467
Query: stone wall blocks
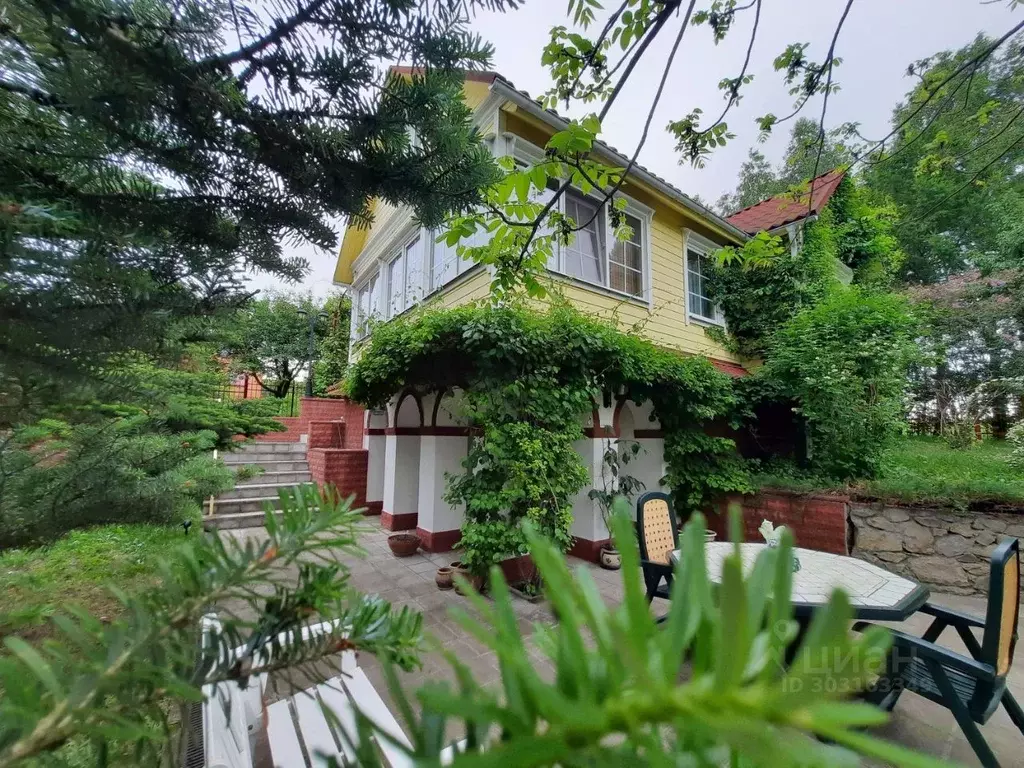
896, 515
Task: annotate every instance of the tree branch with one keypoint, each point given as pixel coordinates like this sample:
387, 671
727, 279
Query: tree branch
824, 102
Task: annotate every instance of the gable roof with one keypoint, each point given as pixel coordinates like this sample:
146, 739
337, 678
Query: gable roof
785, 209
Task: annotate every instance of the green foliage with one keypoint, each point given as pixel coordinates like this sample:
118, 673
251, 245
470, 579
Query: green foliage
110, 682
38, 582
1015, 437
844, 362
952, 169
618, 697
615, 480
269, 338
150, 151
118, 471
144, 458
761, 285
921, 470
528, 377
332, 355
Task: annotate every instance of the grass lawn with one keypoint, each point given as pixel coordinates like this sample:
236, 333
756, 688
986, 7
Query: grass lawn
35, 583
926, 470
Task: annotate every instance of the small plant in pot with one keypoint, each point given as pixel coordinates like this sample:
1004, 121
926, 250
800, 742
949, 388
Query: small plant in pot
484, 543
615, 484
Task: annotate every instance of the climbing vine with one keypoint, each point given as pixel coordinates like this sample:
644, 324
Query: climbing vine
527, 378
764, 283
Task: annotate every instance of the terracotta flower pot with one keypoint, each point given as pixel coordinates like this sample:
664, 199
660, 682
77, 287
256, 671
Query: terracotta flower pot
403, 544
443, 578
610, 559
477, 582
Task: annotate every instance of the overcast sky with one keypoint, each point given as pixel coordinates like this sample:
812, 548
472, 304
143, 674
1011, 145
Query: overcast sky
879, 39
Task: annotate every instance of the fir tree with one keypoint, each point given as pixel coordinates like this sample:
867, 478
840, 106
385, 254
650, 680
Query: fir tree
151, 149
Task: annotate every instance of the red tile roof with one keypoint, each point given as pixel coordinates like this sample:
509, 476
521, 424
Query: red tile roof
785, 209
733, 369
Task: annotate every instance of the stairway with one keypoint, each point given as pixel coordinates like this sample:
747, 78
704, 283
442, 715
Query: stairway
284, 466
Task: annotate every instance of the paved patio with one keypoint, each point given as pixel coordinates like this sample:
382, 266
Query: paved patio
409, 581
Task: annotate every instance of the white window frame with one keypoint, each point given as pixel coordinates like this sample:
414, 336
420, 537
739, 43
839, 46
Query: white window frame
703, 248
524, 151
402, 252
360, 324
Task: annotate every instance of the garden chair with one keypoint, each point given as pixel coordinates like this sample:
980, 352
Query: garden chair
658, 534
971, 688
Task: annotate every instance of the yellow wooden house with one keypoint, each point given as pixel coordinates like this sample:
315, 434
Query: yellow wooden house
655, 282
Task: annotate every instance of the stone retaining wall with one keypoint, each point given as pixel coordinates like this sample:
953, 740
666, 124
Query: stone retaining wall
945, 549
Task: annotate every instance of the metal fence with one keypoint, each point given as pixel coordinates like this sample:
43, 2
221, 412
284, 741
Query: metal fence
246, 387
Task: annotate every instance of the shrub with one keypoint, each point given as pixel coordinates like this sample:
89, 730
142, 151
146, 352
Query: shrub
1016, 438
116, 471
844, 362
146, 458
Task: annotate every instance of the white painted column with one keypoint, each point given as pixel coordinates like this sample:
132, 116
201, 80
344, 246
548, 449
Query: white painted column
442, 452
374, 441
402, 460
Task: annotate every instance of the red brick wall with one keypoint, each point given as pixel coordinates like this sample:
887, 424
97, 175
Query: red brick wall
322, 409
343, 468
817, 522
327, 434
294, 429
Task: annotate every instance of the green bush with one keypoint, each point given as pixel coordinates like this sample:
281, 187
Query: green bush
844, 362
116, 471
1016, 439
145, 458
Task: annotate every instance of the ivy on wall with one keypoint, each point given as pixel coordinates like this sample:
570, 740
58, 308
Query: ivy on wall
528, 378
839, 354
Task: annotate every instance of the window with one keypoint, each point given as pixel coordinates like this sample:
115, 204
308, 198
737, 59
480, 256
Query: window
700, 305
595, 256
446, 264
584, 256
625, 267
396, 285
413, 272
367, 306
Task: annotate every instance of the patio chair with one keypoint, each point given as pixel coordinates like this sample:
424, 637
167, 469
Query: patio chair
658, 534
971, 688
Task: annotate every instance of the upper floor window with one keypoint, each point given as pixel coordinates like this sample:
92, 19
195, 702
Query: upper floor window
366, 306
445, 262
700, 305
405, 278
595, 256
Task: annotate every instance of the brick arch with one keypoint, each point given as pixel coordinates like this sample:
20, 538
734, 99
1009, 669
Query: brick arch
398, 409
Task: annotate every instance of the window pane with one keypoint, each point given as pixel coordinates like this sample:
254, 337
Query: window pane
445, 265
617, 276
413, 272
396, 286
584, 256
700, 304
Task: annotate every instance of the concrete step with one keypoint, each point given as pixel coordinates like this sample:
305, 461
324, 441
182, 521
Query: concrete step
261, 458
235, 520
274, 466
277, 478
254, 491
262, 449
251, 504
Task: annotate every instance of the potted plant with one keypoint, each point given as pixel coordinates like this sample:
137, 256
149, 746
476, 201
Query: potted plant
484, 543
615, 482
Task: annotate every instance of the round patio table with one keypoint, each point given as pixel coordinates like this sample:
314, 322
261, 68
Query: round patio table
875, 594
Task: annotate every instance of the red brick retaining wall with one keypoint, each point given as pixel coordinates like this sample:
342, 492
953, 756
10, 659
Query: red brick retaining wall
321, 409
817, 522
343, 468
